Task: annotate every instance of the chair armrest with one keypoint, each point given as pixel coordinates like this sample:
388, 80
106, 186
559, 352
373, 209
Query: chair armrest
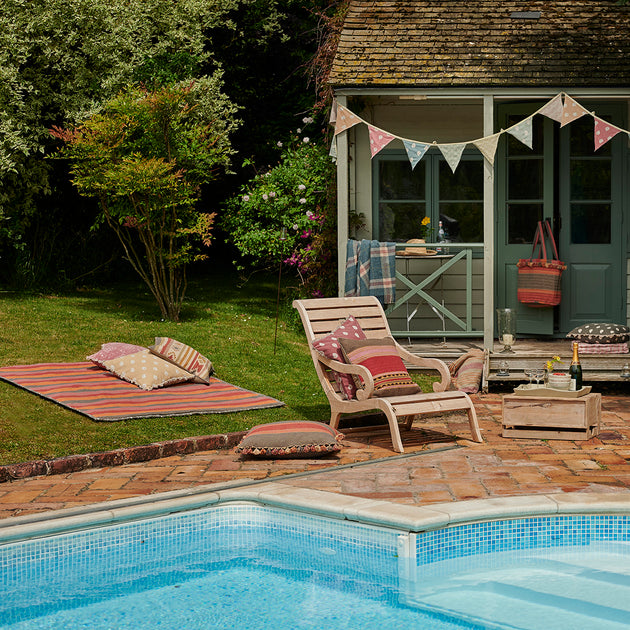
430, 364
349, 368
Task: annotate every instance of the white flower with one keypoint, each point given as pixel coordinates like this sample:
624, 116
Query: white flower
305, 140
295, 226
299, 131
309, 214
272, 194
302, 187
265, 196
279, 143
306, 120
245, 197
302, 200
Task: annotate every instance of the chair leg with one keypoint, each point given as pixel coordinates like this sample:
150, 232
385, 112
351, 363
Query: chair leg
394, 431
474, 426
335, 416
409, 420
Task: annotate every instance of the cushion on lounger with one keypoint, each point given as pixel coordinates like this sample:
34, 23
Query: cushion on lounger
330, 348
146, 370
290, 439
184, 357
113, 350
600, 333
381, 358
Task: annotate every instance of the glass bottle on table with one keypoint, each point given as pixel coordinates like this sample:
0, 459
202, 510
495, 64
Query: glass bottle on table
575, 370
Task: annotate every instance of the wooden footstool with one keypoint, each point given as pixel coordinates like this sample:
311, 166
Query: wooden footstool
551, 418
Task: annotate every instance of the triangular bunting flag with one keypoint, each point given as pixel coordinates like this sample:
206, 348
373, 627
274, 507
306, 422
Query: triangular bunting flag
452, 153
523, 131
333, 113
488, 146
415, 151
333, 149
571, 111
379, 139
553, 109
345, 119
604, 132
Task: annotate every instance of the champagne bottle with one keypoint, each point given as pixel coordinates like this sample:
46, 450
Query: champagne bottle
575, 370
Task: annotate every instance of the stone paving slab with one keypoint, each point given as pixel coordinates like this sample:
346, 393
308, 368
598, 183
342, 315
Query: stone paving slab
440, 464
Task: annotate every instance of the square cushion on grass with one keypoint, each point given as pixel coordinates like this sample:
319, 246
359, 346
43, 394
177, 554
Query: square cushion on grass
600, 333
146, 370
184, 357
381, 358
113, 350
329, 346
290, 439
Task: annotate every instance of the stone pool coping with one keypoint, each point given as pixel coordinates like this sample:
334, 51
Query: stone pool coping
407, 518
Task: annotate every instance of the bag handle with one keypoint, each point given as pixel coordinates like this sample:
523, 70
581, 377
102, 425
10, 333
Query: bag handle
539, 238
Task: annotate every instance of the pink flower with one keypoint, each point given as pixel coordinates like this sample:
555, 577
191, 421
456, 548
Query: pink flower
245, 197
301, 187
265, 196
302, 201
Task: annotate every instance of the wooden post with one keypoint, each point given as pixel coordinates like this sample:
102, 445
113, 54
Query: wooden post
488, 230
343, 202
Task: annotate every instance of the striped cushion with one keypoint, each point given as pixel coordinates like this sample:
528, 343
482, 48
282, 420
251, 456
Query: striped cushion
468, 376
290, 439
603, 348
183, 356
381, 358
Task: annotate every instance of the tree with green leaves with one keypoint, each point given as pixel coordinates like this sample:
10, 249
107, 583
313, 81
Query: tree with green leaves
144, 156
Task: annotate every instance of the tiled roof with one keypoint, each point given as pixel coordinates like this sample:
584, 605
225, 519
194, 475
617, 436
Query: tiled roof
441, 43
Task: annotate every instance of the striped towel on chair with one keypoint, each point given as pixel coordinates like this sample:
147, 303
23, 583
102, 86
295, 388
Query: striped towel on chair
371, 270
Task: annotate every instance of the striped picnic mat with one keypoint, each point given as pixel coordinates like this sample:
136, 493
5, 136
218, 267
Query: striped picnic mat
94, 392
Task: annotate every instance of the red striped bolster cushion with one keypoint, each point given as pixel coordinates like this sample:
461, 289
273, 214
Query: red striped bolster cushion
468, 377
381, 358
290, 439
184, 357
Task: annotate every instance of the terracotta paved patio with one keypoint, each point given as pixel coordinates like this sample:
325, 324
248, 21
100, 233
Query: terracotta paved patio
435, 468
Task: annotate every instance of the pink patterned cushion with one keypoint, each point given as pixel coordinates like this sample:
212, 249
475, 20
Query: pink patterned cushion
329, 346
603, 348
113, 350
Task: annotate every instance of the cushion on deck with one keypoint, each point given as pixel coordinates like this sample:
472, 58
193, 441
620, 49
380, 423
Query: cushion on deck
600, 333
329, 346
183, 356
290, 439
381, 358
147, 370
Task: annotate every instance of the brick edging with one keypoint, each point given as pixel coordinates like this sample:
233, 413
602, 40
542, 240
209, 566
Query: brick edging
119, 457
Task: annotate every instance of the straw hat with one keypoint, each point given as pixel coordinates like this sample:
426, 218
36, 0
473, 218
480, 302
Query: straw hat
417, 251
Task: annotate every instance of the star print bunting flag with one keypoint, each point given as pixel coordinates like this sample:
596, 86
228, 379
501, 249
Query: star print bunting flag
523, 131
604, 132
571, 111
452, 153
345, 119
488, 146
379, 139
415, 151
553, 109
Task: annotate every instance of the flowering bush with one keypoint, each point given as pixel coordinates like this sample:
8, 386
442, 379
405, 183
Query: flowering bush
288, 214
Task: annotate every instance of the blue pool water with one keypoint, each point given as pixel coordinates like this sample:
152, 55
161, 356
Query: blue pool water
248, 566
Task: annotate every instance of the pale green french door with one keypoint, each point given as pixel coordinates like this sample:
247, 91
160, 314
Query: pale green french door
580, 192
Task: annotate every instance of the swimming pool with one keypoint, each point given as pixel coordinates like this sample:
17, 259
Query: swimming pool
246, 565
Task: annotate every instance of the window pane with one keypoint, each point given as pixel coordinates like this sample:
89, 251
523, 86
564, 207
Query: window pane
590, 179
465, 183
399, 222
398, 181
522, 221
462, 222
590, 223
525, 179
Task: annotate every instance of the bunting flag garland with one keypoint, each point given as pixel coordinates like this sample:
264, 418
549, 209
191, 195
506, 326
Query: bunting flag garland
333, 149
553, 109
452, 153
562, 111
523, 131
333, 113
488, 146
345, 119
604, 132
571, 111
415, 151
379, 139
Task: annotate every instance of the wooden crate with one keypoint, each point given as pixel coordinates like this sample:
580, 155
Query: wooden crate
552, 418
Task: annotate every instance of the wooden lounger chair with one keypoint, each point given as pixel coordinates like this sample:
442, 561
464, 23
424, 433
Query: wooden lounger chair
322, 316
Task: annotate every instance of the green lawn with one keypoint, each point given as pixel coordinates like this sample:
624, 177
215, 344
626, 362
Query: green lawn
232, 326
